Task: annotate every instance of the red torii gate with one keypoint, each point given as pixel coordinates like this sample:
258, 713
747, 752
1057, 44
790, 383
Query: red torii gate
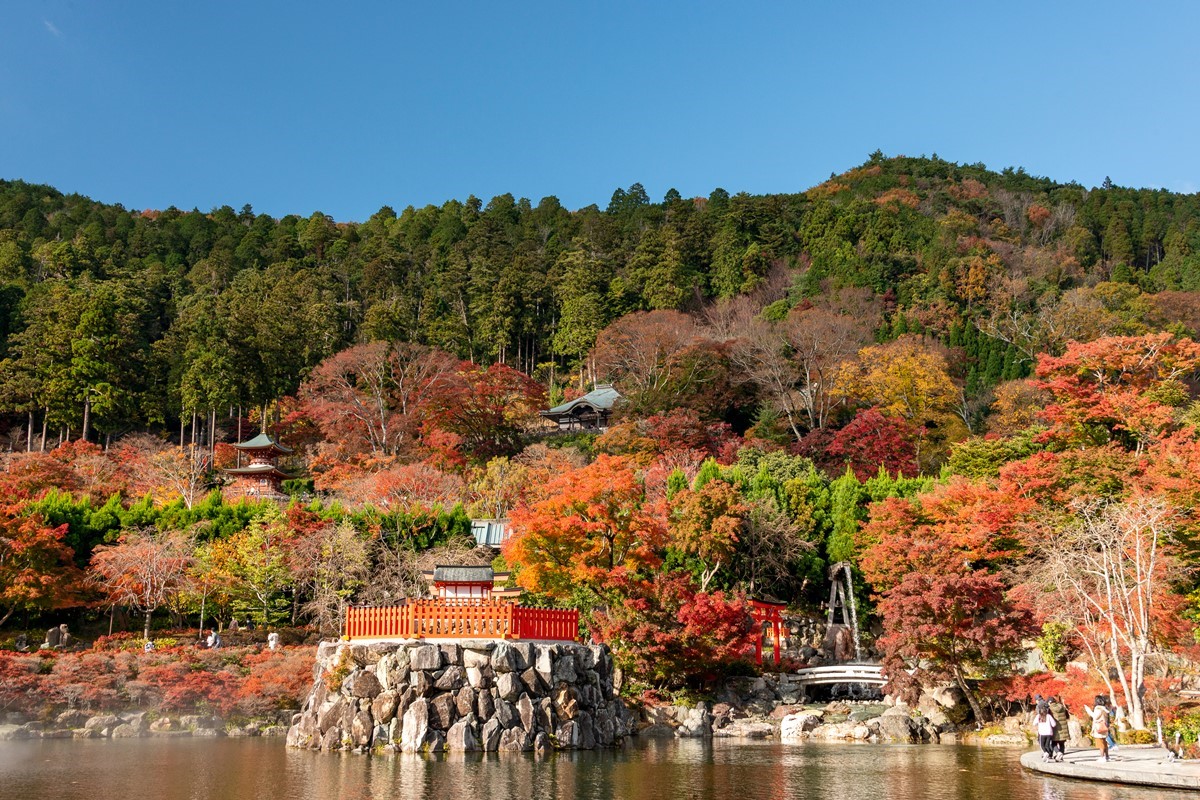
763, 612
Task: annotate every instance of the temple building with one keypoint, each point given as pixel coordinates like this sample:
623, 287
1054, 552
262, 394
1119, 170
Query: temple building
588, 413
261, 478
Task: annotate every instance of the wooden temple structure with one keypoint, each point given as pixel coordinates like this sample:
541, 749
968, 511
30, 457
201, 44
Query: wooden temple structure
261, 477
467, 603
588, 413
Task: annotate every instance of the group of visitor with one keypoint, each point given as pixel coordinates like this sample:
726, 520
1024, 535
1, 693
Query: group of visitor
1051, 721
1051, 718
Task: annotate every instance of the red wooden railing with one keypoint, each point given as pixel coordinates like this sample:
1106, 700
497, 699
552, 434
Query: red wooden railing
439, 619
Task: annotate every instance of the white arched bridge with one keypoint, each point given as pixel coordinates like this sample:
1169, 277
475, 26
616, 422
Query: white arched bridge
870, 674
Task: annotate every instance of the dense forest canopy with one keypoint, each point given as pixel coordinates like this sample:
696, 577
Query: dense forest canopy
113, 320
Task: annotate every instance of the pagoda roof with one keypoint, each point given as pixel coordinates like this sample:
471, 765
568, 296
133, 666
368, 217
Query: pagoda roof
262, 442
257, 470
601, 398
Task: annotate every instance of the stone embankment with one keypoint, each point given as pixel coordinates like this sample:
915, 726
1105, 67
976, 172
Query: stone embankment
413, 696
773, 707
75, 724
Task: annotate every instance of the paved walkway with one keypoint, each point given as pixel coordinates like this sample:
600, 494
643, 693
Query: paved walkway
1137, 765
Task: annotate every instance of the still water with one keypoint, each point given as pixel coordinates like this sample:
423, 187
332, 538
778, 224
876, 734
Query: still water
263, 769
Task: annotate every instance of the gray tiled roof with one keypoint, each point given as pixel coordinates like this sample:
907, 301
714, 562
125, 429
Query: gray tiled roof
462, 574
601, 398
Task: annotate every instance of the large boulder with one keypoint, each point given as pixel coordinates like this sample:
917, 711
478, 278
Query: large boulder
464, 701
525, 712
543, 661
362, 684
462, 735
747, 729
695, 722
564, 670
510, 686
897, 728
425, 657
506, 658
361, 729
478, 678
450, 680
526, 654
517, 739
566, 702
328, 716
383, 707
490, 735
796, 726
415, 729
452, 653
506, 714
443, 710
485, 705
476, 658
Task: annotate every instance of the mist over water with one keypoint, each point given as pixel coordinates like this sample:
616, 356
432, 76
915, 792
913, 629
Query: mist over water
263, 769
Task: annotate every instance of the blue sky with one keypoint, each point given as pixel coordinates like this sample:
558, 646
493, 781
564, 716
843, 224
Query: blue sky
345, 107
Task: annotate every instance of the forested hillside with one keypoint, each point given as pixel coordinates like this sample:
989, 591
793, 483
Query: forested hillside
976, 392
114, 320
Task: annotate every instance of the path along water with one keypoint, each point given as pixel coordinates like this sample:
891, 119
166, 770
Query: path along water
263, 769
1136, 765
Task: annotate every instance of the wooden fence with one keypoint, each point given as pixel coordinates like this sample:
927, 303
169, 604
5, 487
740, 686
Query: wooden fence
439, 619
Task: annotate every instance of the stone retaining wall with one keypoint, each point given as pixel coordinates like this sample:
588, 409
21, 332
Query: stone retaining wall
413, 696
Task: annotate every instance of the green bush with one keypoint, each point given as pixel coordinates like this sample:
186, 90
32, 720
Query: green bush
1187, 724
1054, 644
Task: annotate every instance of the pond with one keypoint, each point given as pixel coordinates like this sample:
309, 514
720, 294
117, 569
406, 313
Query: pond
263, 769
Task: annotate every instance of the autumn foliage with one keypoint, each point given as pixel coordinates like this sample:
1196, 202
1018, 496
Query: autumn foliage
593, 522
668, 634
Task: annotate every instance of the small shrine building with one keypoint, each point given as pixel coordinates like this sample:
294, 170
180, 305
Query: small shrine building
469, 584
261, 477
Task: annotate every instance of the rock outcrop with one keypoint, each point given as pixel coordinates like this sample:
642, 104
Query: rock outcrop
414, 696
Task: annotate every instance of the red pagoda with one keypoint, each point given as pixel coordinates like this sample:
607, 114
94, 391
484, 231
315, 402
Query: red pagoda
261, 478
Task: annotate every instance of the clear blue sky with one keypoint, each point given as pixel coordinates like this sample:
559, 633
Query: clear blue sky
345, 107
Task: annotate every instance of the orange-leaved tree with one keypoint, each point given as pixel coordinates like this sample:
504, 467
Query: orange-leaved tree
1127, 389
36, 566
589, 523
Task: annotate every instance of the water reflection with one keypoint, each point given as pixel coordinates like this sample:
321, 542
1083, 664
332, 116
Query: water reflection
651, 770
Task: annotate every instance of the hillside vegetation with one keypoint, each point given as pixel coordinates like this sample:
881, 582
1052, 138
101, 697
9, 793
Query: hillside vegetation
977, 389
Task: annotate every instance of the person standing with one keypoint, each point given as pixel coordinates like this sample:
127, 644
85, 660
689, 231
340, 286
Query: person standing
1099, 715
1045, 723
1062, 728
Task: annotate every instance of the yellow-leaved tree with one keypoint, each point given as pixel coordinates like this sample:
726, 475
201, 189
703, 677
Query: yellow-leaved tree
908, 379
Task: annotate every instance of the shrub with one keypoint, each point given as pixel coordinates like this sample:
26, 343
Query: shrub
274, 681
18, 681
1137, 737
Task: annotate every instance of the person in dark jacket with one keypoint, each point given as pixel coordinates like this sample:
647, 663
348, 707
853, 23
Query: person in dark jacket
1062, 731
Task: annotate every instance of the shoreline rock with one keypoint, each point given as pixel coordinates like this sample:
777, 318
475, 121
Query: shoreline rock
76, 724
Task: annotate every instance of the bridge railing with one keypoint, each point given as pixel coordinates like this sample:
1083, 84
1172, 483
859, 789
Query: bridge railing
841, 673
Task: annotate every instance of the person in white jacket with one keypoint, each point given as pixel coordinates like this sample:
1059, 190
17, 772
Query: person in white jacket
1100, 723
1045, 723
